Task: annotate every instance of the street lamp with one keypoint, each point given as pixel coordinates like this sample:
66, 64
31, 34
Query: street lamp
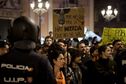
39, 7
109, 14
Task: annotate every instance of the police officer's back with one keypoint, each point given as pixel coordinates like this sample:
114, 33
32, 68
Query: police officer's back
22, 65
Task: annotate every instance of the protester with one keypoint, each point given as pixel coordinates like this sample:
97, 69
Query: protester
91, 74
117, 46
75, 62
105, 67
57, 60
68, 72
121, 67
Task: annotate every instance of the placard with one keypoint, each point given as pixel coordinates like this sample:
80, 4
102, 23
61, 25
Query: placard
68, 22
111, 34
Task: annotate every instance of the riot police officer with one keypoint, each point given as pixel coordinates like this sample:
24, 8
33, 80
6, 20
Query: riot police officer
22, 65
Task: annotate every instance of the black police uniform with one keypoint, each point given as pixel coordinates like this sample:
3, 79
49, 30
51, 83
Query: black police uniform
22, 65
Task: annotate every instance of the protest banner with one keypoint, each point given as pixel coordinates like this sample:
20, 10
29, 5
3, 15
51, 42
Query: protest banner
68, 22
111, 34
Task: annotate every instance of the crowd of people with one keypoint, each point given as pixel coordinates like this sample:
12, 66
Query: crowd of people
23, 60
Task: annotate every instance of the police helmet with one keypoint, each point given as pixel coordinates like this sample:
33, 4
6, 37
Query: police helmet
23, 28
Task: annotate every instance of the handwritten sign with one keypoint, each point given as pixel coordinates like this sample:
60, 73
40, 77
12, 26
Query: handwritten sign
68, 22
111, 34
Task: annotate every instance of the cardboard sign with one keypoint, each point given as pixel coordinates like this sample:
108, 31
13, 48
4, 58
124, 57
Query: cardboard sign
68, 22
